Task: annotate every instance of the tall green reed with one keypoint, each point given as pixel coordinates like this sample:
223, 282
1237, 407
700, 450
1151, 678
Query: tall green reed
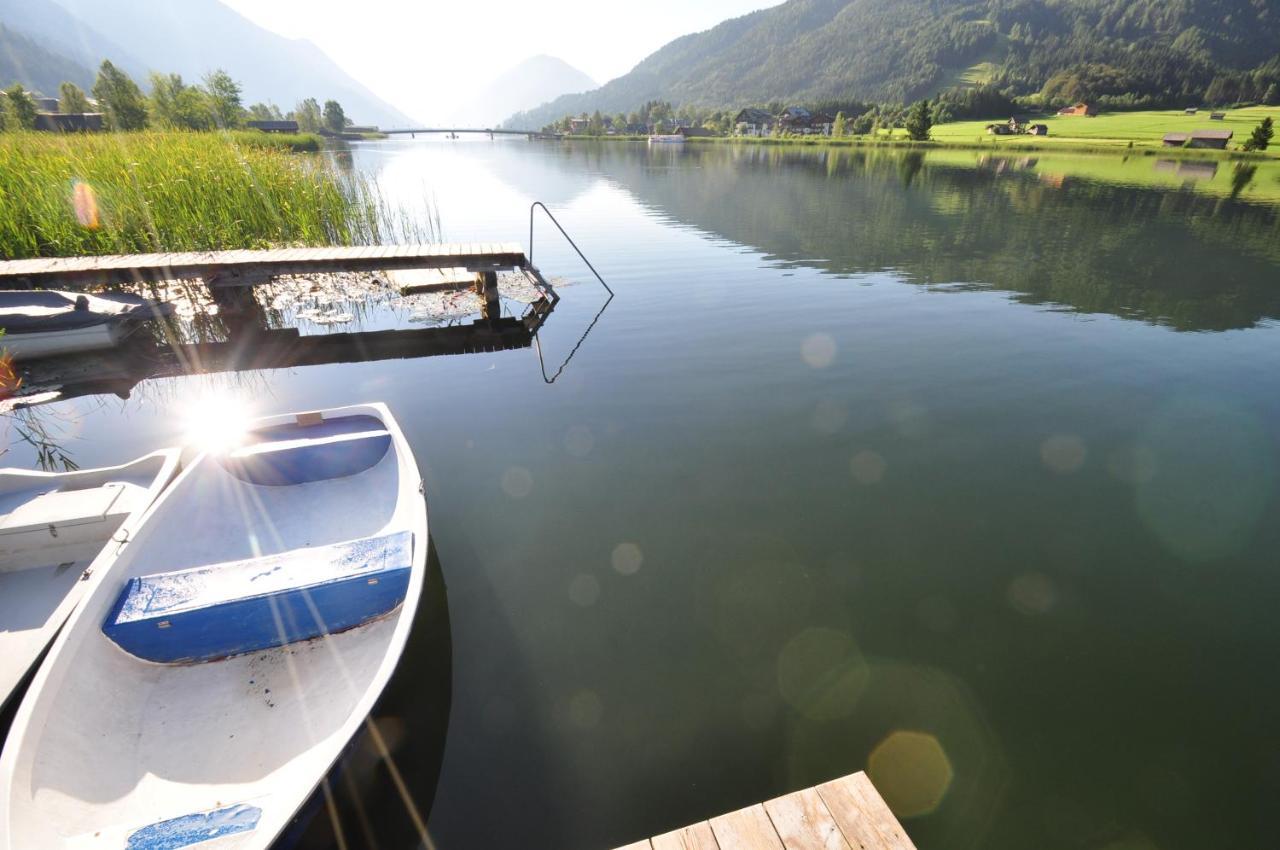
70, 195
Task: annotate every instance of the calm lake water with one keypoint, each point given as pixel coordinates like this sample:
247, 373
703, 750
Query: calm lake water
956, 469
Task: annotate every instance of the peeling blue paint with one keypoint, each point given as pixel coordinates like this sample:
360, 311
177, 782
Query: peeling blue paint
212, 612
193, 829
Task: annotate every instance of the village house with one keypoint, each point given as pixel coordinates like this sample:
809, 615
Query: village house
60, 122
1199, 139
1210, 139
753, 122
579, 125
1038, 129
795, 119
278, 126
1080, 109
694, 132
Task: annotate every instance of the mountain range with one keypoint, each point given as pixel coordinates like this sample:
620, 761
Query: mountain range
191, 38
899, 50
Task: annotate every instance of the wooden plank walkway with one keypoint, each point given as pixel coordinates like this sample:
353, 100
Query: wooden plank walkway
251, 267
844, 814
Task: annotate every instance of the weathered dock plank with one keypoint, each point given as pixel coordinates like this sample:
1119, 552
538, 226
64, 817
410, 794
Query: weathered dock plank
843, 814
246, 267
804, 823
746, 829
696, 837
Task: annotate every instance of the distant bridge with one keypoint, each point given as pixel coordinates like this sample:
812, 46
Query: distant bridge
413, 131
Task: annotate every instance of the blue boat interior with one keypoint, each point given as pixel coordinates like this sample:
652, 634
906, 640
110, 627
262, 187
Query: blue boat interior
216, 611
298, 453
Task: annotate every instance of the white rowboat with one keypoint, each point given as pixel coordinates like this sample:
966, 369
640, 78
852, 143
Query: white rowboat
208, 682
53, 525
670, 139
47, 323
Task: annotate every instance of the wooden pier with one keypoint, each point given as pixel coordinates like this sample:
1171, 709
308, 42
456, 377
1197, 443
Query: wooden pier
226, 271
250, 268
844, 814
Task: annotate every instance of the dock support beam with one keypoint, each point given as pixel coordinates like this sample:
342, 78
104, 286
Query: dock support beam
487, 289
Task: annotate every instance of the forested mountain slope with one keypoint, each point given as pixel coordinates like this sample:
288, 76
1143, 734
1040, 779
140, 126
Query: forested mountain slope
1148, 51
24, 61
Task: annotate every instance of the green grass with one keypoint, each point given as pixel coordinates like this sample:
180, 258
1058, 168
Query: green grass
1245, 179
292, 142
68, 195
1114, 129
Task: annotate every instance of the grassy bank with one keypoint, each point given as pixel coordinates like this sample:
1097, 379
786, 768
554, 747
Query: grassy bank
291, 142
138, 192
1112, 130
1112, 133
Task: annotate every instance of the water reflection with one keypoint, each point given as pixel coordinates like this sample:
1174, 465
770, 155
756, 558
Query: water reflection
1006, 223
381, 791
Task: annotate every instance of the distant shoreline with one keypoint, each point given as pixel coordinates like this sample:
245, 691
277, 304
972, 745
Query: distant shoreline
1005, 145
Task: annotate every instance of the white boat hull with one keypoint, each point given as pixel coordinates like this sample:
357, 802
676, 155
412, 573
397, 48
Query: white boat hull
29, 346
45, 550
109, 750
666, 140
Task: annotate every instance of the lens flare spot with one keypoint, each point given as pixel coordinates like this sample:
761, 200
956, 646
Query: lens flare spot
1033, 593
818, 350
821, 674
911, 771
868, 467
216, 423
584, 590
85, 201
829, 416
517, 482
1063, 453
578, 441
627, 558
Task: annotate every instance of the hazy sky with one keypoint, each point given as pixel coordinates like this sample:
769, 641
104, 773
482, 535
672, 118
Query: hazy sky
426, 56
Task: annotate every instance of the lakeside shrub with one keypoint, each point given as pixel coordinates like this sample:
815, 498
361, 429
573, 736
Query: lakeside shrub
68, 195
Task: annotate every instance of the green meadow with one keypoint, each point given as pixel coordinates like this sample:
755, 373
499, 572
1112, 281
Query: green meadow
1114, 129
1247, 180
67, 195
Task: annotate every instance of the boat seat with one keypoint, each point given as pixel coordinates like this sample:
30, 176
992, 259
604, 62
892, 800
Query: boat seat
211, 612
301, 452
68, 516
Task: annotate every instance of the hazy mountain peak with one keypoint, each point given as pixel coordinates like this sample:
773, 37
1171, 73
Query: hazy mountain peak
528, 84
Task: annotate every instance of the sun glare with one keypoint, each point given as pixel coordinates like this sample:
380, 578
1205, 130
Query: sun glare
216, 423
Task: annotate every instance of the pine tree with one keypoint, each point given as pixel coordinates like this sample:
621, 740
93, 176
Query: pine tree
1262, 135
841, 126
919, 122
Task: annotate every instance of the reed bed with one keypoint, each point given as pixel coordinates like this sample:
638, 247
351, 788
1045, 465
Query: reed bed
72, 195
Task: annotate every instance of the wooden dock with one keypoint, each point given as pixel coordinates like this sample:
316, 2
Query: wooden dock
249, 268
844, 814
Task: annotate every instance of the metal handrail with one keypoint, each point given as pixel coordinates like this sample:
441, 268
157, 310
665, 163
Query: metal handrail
567, 238
537, 344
